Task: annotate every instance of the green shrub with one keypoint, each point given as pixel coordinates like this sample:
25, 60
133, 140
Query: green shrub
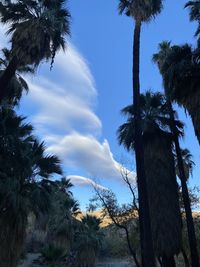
114, 244
52, 253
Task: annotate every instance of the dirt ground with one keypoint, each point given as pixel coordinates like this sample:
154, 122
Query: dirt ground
104, 263
114, 263
29, 259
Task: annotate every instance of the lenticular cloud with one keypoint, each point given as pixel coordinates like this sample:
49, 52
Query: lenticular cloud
61, 105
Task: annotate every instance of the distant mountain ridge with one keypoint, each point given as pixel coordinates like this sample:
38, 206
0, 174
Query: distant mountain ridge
106, 221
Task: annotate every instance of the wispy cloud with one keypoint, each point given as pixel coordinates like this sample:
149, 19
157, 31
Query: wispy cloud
60, 110
83, 181
61, 105
85, 151
66, 117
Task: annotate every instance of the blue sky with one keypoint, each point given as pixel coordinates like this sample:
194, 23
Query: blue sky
76, 107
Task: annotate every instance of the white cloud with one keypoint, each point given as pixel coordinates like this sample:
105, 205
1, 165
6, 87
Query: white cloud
3, 38
66, 119
72, 63
56, 108
88, 153
61, 104
64, 100
83, 181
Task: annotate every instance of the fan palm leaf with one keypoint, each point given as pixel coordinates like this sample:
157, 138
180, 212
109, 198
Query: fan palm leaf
38, 29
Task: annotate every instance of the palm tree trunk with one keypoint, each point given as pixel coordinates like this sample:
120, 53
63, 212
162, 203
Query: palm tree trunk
160, 262
168, 262
187, 264
148, 259
185, 194
7, 76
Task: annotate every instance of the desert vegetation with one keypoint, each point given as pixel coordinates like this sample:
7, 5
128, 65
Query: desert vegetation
39, 214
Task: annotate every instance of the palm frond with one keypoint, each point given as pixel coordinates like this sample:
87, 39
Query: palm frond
194, 7
37, 29
139, 9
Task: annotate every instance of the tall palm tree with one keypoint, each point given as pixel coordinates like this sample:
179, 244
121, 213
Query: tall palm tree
24, 187
176, 63
160, 172
188, 165
141, 11
38, 29
17, 85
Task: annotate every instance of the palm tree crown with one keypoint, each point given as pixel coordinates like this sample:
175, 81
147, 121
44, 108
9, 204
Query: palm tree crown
154, 118
142, 10
188, 163
180, 68
38, 28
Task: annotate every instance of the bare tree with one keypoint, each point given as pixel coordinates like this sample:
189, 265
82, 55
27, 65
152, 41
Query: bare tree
121, 215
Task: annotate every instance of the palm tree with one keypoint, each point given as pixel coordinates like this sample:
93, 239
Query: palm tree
171, 61
88, 241
17, 85
141, 11
194, 6
160, 172
62, 215
38, 29
180, 71
24, 187
188, 163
